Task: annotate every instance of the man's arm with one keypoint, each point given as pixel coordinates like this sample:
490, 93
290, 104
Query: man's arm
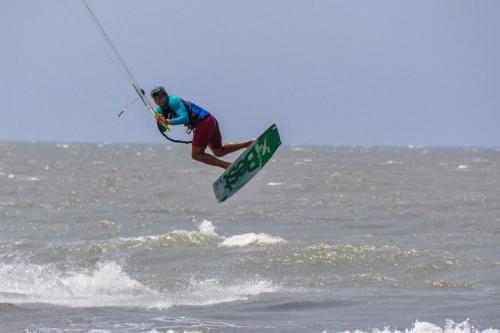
178, 106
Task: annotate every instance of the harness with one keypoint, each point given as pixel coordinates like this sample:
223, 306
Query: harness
194, 117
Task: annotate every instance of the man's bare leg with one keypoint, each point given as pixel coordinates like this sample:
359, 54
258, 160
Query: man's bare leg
198, 154
231, 147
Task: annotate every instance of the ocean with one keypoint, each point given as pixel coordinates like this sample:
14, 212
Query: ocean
129, 238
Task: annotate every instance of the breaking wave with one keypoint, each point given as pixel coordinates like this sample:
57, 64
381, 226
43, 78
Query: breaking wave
107, 285
206, 232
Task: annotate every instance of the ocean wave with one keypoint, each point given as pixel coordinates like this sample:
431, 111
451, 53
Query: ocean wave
442, 263
425, 327
206, 233
107, 285
249, 239
336, 253
353, 255
104, 285
212, 291
442, 284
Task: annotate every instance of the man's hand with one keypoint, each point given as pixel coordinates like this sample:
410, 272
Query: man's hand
162, 120
159, 118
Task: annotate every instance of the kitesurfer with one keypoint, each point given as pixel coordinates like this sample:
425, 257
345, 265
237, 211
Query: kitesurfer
175, 111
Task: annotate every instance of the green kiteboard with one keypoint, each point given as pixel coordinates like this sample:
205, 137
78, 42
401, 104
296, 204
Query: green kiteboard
246, 166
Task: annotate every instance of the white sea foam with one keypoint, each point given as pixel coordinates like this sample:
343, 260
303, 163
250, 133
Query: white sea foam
207, 228
391, 162
274, 183
108, 285
104, 285
172, 331
425, 327
212, 291
250, 239
20, 177
206, 232
462, 167
303, 161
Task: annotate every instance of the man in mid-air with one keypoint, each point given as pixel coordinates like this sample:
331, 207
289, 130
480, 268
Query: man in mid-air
175, 111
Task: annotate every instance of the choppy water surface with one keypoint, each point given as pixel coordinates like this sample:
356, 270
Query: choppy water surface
129, 238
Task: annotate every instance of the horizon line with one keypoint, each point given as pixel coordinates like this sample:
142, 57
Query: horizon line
290, 145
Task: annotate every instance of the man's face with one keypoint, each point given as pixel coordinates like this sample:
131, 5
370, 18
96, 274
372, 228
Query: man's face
161, 100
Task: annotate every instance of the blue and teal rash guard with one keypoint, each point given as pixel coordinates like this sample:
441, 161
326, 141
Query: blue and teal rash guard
182, 115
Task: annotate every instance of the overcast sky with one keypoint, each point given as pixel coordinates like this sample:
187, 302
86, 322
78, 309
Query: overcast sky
327, 72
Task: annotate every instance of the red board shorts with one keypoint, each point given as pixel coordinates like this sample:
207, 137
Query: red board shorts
207, 133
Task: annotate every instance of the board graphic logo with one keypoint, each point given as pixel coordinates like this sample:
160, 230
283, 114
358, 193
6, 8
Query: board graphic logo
263, 149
